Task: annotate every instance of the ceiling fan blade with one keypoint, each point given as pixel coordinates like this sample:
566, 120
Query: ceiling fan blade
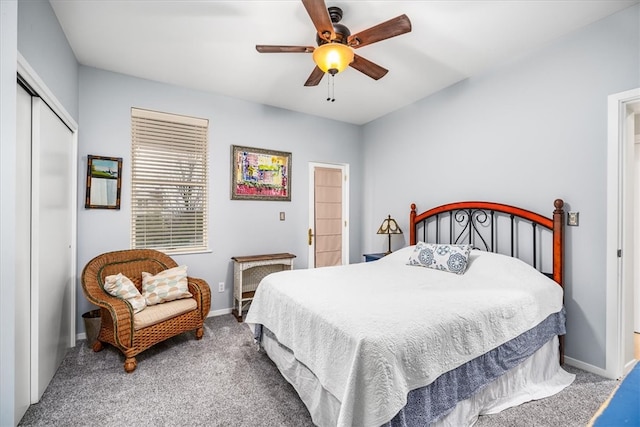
367, 67
264, 48
319, 15
315, 77
391, 28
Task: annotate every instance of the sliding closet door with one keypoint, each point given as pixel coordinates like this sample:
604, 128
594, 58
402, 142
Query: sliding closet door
51, 245
23, 253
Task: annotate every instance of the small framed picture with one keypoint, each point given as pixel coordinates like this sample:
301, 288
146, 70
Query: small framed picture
103, 182
259, 174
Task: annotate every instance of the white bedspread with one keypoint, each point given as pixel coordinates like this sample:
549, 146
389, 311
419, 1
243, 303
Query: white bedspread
371, 332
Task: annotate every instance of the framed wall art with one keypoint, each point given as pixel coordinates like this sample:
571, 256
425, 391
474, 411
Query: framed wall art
259, 174
103, 182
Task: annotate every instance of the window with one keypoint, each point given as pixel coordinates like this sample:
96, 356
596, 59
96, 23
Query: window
169, 181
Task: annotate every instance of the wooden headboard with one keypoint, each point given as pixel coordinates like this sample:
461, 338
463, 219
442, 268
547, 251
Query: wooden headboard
477, 224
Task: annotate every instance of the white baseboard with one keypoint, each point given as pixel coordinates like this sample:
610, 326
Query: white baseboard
222, 312
214, 313
629, 366
587, 367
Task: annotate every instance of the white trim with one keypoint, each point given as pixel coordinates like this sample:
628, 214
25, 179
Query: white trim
35, 255
345, 209
220, 312
310, 221
37, 84
345, 214
585, 366
32, 79
617, 104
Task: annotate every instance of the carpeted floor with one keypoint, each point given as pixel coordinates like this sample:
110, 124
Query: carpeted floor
574, 406
223, 380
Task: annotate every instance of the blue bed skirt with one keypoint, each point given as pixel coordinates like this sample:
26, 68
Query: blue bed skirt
427, 404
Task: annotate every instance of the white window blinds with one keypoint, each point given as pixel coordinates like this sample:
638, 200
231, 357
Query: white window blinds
169, 183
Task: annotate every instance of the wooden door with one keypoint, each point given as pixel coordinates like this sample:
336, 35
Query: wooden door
328, 225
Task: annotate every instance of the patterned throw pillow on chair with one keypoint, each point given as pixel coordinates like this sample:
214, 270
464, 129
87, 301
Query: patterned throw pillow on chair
168, 285
120, 286
451, 258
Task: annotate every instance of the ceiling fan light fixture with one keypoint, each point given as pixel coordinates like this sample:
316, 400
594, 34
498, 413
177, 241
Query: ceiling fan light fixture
333, 58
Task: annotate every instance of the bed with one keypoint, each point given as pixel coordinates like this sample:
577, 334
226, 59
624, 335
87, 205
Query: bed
464, 321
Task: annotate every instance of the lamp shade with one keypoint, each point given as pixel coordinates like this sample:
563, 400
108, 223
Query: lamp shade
333, 58
389, 226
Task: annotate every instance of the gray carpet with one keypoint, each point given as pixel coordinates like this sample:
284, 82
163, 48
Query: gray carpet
574, 406
223, 380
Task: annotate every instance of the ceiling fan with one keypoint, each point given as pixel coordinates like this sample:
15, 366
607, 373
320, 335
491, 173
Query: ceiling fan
336, 43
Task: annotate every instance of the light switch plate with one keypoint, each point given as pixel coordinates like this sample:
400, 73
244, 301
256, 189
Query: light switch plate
573, 218
281, 216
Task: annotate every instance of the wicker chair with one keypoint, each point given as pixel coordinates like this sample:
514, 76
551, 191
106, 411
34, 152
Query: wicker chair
117, 325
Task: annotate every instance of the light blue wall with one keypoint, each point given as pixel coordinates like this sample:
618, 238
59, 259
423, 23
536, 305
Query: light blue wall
43, 44
237, 228
524, 133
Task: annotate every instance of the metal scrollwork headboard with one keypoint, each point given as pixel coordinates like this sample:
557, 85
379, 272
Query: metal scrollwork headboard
482, 225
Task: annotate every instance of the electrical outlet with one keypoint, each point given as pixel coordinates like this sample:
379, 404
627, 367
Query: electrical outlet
221, 287
573, 218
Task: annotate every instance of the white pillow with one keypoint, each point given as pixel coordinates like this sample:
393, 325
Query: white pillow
168, 285
122, 287
444, 257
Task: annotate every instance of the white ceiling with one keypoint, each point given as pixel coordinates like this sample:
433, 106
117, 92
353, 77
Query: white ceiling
210, 45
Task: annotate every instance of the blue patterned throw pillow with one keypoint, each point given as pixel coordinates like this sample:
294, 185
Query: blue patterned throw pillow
445, 257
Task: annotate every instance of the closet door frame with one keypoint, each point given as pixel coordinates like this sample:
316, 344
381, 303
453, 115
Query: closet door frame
28, 75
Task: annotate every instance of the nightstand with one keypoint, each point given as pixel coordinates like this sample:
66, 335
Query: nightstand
373, 257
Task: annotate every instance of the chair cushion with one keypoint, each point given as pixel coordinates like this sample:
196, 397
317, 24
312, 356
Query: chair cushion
121, 286
161, 312
167, 285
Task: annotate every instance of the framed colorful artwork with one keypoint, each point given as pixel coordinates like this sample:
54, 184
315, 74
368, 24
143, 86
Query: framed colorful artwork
259, 174
103, 182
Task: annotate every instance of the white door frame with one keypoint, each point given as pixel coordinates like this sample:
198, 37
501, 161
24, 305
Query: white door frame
345, 210
619, 228
29, 75
22, 369
37, 84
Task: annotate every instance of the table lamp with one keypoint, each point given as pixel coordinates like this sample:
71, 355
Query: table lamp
389, 226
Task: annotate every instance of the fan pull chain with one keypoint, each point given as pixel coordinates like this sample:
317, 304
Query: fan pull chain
331, 88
